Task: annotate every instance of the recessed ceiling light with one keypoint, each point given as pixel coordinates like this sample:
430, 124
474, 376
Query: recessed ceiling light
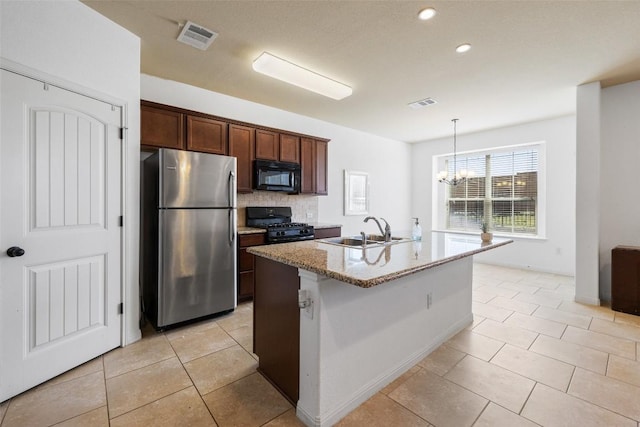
427, 13
463, 48
291, 73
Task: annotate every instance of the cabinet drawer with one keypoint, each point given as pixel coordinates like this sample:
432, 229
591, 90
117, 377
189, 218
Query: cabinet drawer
323, 233
245, 260
251, 239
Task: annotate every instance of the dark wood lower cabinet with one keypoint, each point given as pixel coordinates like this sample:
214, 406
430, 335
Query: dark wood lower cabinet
246, 264
625, 279
323, 233
276, 325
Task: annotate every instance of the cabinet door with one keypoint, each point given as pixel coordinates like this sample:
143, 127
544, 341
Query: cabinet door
161, 128
307, 165
206, 135
267, 145
321, 167
241, 146
289, 148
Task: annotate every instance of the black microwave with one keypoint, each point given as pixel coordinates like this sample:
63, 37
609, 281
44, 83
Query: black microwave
276, 176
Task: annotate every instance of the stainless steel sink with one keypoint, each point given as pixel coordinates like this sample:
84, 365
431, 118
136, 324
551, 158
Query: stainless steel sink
356, 241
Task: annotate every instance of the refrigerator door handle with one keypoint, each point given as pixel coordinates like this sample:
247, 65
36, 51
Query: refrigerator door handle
231, 227
232, 179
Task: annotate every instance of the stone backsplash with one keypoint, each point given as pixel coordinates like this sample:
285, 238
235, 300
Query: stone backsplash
304, 208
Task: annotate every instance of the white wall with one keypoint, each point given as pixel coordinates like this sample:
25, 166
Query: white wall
556, 252
588, 149
74, 44
619, 164
384, 159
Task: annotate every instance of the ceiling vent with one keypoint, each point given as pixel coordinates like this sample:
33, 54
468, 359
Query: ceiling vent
422, 103
196, 36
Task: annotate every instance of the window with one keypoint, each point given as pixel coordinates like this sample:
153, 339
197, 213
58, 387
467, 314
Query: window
502, 192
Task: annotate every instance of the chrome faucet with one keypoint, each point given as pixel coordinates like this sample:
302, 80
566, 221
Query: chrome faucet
387, 228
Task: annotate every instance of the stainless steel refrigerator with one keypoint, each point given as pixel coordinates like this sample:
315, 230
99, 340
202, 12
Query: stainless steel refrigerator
188, 236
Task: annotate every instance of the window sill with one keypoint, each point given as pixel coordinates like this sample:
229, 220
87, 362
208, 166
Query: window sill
506, 235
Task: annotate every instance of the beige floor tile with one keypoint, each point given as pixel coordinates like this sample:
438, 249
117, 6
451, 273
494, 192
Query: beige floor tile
183, 408
90, 367
236, 320
442, 359
577, 320
534, 366
439, 401
506, 333
244, 337
96, 418
513, 305
616, 329
475, 344
617, 396
381, 411
624, 370
137, 355
218, 369
549, 407
496, 416
492, 382
288, 419
251, 401
483, 297
521, 287
3, 409
496, 291
536, 324
604, 313
538, 299
476, 321
627, 319
490, 311
574, 354
555, 294
48, 405
145, 385
402, 378
602, 342
544, 282
191, 344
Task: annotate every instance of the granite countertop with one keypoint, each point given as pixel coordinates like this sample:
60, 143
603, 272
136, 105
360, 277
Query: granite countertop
251, 230
376, 264
324, 225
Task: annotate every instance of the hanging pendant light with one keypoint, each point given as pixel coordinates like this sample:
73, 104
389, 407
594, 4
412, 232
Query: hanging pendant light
458, 177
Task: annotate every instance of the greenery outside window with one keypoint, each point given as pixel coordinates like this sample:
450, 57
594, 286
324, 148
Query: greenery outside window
502, 192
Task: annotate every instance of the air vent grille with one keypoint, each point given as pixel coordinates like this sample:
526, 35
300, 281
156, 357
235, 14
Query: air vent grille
196, 36
422, 103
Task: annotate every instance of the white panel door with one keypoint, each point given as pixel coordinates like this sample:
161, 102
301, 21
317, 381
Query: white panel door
60, 203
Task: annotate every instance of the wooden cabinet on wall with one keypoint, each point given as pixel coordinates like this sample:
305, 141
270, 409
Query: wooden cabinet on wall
289, 148
313, 164
206, 135
241, 146
161, 127
246, 264
267, 145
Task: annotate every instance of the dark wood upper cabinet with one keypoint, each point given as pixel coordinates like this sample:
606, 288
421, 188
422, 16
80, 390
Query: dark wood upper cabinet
241, 146
206, 135
267, 145
321, 163
161, 128
289, 148
308, 165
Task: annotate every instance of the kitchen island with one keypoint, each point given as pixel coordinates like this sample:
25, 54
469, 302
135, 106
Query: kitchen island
370, 315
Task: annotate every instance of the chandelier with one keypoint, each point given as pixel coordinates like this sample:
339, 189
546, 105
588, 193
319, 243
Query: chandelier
458, 177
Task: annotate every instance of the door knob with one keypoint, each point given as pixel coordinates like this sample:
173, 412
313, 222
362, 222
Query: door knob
15, 251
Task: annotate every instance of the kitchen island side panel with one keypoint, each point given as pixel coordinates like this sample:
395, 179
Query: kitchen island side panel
357, 340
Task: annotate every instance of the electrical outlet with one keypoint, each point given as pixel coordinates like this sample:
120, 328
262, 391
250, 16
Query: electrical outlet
309, 215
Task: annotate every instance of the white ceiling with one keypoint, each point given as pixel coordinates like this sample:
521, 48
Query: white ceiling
526, 61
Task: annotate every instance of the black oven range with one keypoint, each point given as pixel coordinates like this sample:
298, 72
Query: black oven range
277, 221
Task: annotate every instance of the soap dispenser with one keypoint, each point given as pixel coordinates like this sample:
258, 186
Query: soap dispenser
416, 232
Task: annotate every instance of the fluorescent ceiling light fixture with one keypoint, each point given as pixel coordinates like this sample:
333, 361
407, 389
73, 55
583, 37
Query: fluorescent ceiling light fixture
427, 13
291, 73
463, 48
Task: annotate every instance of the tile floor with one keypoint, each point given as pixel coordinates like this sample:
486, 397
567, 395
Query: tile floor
531, 357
